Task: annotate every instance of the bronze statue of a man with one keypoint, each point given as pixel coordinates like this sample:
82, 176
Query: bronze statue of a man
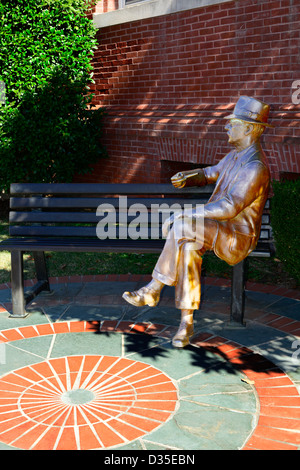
232, 216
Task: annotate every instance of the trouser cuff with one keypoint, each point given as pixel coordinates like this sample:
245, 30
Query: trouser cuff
163, 278
187, 306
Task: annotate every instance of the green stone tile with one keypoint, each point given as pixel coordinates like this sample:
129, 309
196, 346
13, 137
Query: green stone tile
87, 312
140, 347
35, 317
253, 334
107, 288
109, 344
53, 313
134, 445
196, 427
286, 307
16, 358
59, 291
5, 295
148, 445
170, 435
178, 363
282, 352
222, 395
6, 447
211, 293
260, 299
38, 345
160, 314
223, 372
295, 374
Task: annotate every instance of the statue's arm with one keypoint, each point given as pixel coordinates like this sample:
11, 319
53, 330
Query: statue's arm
253, 181
199, 176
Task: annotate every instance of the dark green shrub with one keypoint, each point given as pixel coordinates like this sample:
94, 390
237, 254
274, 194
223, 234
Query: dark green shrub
48, 130
285, 219
51, 135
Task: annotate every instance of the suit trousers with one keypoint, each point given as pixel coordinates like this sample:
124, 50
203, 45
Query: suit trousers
180, 262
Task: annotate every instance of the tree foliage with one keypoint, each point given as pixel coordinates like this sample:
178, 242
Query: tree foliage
48, 129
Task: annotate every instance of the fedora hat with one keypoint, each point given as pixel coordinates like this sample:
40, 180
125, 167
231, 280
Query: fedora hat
251, 110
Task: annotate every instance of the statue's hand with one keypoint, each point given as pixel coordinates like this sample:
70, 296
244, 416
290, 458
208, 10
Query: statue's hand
179, 180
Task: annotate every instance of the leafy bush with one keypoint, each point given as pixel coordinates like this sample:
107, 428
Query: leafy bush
48, 129
285, 219
51, 135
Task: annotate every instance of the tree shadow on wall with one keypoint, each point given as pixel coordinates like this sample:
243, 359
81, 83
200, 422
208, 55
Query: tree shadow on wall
146, 82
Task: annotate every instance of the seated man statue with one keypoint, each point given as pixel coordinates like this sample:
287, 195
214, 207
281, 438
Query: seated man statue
232, 216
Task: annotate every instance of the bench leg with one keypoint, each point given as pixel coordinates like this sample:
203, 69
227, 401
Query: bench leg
41, 268
238, 293
42, 277
17, 285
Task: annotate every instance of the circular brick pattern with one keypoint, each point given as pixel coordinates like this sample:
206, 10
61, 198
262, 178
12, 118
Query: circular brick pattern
83, 402
278, 422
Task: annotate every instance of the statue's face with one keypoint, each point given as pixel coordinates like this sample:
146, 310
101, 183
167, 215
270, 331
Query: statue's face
237, 131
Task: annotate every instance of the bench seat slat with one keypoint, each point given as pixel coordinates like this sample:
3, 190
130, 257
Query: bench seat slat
96, 245
48, 231
82, 245
53, 217
78, 231
260, 254
71, 217
91, 231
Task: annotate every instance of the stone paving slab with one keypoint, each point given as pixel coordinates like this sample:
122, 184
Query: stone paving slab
84, 370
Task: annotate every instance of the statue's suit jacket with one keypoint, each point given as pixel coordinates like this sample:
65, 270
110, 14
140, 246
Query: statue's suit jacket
242, 184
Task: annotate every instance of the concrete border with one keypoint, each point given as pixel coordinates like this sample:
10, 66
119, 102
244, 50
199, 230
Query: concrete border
149, 9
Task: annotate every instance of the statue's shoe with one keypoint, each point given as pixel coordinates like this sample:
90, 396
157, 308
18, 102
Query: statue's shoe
183, 335
143, 296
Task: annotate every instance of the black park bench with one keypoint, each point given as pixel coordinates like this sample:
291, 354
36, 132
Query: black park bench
64, 217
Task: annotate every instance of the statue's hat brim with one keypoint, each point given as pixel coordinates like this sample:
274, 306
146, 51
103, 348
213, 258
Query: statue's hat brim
251, 110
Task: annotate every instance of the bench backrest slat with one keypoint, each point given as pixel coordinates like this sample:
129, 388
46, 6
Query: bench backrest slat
48, 231
102, 189
93, 203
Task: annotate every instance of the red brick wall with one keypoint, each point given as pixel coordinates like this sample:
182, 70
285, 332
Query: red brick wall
168, 81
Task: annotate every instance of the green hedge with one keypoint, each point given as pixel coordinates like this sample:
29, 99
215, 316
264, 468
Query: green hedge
48, 130
285, 219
